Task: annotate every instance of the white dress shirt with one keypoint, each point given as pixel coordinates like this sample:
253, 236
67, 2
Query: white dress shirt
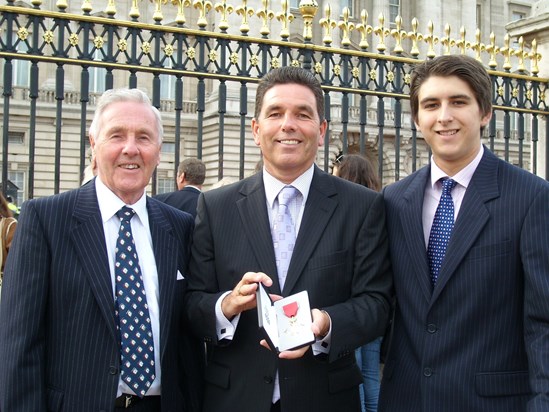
433, 191
109, 204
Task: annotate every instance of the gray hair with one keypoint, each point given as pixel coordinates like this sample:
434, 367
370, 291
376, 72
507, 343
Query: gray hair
123, 95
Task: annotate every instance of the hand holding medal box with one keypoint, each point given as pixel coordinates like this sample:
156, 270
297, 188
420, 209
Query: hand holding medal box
287, 322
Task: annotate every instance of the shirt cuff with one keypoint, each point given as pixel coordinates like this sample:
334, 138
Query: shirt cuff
224, 327
322, 346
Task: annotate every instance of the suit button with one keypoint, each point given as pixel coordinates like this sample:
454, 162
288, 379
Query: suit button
268, 379
432, 328
427, 372
113, 370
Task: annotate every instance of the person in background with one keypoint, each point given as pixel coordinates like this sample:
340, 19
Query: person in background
93, 289
7, 229
191, 174
15, 210
336, 250
358, 169
469, 237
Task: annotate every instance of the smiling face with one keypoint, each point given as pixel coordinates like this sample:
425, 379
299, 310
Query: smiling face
450, 121
127, 148
288, 130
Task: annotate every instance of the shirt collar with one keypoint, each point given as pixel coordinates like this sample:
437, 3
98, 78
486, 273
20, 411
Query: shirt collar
273, 186
463, 177
109, 203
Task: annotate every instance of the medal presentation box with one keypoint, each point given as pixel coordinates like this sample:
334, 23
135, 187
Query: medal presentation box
286, 323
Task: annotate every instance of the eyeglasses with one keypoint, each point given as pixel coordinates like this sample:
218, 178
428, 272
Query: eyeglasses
339, 159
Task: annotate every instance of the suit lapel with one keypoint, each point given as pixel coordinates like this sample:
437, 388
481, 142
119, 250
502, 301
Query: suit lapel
89, 242
412, 226
321, 204
165, 254
255, 221
472, 217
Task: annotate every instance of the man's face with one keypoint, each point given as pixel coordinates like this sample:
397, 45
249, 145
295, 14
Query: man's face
450, 119
127, 149
288, 131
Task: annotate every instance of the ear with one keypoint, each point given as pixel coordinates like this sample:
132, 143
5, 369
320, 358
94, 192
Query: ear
255, 132
486, 119
322, 132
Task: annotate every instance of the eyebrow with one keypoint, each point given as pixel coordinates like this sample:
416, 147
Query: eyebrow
453, 97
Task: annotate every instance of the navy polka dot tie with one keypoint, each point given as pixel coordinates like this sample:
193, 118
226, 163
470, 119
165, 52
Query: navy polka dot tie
132, 311
284, 233
443, 223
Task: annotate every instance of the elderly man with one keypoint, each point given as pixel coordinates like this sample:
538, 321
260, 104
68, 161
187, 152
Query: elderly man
93, 288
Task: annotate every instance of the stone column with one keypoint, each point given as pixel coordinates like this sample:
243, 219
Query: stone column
537, 27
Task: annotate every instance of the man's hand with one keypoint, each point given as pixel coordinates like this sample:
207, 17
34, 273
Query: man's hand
242, 297
320, 327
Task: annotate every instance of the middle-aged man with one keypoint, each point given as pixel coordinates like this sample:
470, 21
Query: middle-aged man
340, 257
190, 177
469, 240
91, 320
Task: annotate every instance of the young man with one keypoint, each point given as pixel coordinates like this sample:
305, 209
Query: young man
469, 242
340, 258
90, 319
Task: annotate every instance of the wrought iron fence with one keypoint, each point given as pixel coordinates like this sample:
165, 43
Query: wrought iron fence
202, 76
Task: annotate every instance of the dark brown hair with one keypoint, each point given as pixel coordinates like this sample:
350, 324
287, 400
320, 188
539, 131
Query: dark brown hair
463, 67
289, 75
359, 169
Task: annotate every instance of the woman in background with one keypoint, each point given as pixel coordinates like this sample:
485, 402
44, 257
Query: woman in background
7, 230
359, 169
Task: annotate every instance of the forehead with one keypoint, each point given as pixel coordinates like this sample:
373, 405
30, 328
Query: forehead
129, 115
438, 87
288, 93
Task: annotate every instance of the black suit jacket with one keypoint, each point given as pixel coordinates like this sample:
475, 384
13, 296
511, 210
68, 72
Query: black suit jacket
185, 199
59, 349
340, 258
480, 340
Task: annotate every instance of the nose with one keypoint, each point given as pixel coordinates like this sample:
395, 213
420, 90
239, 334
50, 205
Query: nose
289, 124
130, 145
445, 113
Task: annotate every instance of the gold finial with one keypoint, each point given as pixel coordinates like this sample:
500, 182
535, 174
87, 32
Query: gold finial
181, 4
461, 43
111, 8
224, 9
398, 35
308, 9
203, 6
285, 17
86, 6
61, 5
328, 24
381, 32
157, 16
521, 54
134, 10
507, 52
364, 29
446, 41
431, 40
477, 46
346, 27
492, 49
244, 11
415, 36
535, 57
265, 15
36, 3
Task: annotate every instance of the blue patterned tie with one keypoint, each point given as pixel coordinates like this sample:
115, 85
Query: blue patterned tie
443, 223
136, 338
284, 233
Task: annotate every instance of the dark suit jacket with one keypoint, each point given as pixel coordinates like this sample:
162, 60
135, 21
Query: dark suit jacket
340, 258
59, 349
480, 340
184, 199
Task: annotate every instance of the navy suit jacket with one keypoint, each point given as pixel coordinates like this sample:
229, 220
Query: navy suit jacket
185, 199
479, 341
340, 258
59, 348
